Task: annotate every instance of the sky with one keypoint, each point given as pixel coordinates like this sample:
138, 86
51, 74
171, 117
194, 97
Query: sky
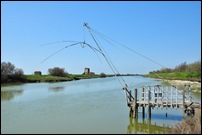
168, 33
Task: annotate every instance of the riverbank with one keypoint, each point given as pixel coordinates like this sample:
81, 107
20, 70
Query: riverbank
195, 86
50, 78
175, 76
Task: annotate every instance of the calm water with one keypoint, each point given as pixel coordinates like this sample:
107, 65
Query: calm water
83, 106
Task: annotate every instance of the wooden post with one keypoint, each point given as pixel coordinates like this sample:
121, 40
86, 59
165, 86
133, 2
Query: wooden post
131, 109
166, 97
183, 101
149, 108
143, 107
131, 112
130, 93
157, 97
171, 97
135, 104
189, 90
176, 96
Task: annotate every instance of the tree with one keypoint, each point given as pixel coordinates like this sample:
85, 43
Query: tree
56, 71
10, 73
7, 68
181, 68
102, 75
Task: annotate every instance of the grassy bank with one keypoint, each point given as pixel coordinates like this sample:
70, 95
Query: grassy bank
175, 76
50, 78
45, 78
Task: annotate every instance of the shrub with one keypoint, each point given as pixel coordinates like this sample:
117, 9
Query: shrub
190, 125
102, 75
56, 71
9, 73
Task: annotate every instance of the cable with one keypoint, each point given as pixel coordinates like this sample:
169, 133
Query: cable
84, 34
57, 42
129, 48
109, 62
59, 51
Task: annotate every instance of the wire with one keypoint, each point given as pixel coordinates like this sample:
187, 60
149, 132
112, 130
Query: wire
57, 42
59, 51
84, 34
107, 59
128, 48
94, 49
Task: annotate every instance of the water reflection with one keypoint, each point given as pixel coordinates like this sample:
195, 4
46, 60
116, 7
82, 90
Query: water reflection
145, 126
56, 89
10, 94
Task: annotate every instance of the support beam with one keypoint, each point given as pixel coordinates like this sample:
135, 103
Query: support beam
149, 108
135, 104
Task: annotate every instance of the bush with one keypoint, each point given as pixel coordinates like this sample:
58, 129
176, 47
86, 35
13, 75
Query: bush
102, 75
9, 73
56, 71
190, 125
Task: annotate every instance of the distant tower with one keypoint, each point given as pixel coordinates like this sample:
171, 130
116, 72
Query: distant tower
86, 71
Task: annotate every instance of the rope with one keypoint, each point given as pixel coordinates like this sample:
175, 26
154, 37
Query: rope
107, 59
57, 42
106, 39
59, 51
128, 48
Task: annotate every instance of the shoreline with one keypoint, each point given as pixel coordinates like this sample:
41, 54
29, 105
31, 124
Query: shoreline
195, 86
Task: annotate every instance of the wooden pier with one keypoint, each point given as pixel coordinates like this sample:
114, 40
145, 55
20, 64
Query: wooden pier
160, 97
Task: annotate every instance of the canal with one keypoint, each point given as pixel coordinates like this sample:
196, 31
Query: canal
82, 106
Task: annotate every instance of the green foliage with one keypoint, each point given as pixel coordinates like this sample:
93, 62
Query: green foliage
46, 78
50, 78
82, 76
102, 75
189, 125
9, 73
183, 71
56, 71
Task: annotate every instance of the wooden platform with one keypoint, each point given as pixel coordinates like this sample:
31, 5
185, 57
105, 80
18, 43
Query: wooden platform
160, 97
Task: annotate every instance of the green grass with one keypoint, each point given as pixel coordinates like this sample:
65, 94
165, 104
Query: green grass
50, 78
192, 76
79, 76
46, 78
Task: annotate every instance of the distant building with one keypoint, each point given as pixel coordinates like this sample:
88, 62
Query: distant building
37, 72
86, 71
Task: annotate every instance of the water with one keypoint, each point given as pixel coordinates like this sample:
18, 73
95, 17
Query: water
83, 106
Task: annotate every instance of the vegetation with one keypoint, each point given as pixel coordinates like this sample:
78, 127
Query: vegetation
9, 73
192, 72
102, 75
46, 78
183, 71
56, 71
190, 125
82, 76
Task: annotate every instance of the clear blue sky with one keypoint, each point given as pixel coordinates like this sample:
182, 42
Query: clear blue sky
166, 32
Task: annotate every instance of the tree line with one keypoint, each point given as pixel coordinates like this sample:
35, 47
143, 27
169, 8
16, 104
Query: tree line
9, 73
192, 70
